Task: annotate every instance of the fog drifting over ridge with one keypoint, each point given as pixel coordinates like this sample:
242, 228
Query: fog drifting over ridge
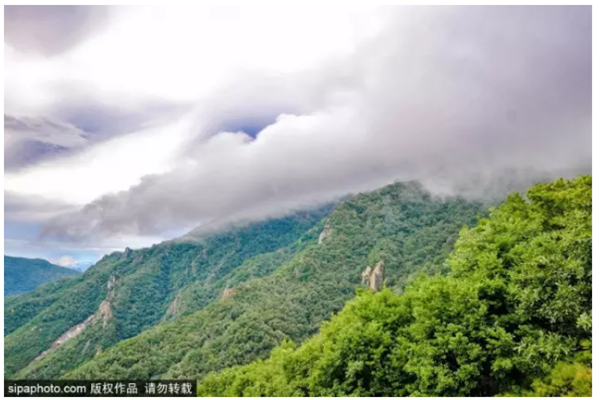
454, 97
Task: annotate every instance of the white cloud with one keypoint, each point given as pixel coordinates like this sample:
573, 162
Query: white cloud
439, 94
187, 53
180, 54
195, 51
66, 261
108, 167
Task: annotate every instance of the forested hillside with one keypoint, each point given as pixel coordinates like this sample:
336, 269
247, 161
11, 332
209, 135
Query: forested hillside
55, 328
512, 317
505, 309
400, 227
25, 274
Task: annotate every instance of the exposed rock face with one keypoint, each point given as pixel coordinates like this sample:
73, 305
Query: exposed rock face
126, 253
366, 274
65, 337
376, 279
325, 233
111, 283
373, 277
104, 314
228, 293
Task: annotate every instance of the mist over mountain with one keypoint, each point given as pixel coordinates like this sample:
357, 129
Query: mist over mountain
295, 201
230, 297
459, 97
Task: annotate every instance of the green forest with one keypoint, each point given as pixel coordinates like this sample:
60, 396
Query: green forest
394, 292
512, 317
25, 274
142, 288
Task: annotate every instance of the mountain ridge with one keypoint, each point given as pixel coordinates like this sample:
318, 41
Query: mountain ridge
144, 283
25, 274
297, 296
309, 300
511, 318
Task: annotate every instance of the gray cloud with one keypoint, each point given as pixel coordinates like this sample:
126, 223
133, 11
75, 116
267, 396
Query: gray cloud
52, 30
32, 208
102, 116
454, 97
28, 140
77, 120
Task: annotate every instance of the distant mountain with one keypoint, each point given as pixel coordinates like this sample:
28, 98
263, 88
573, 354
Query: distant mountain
228, 297
385, 238
25, 274
128, 292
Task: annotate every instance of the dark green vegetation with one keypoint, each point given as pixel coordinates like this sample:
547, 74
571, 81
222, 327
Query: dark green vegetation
127, 293
237, 308
512, 317
503, 310
25, 274
386, 225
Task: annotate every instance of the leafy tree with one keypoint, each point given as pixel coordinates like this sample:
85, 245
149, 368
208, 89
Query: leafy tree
512, 316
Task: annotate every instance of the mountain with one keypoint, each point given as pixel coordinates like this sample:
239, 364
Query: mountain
52, 329
512, 317
394, 292
230, 297
25, 274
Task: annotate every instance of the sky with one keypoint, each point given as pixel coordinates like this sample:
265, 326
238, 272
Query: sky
126, 126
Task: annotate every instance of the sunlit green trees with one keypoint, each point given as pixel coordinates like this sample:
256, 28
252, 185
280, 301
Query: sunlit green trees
512, 317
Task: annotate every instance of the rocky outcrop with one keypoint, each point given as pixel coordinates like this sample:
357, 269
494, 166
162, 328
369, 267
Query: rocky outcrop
228, 293
126, 253
364, 277
373, 277
65, 337
103, 313
111, 284
325, 233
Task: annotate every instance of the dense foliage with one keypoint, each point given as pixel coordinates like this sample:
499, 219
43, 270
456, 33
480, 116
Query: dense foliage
25, 274
292, 299
143, 288
513, 317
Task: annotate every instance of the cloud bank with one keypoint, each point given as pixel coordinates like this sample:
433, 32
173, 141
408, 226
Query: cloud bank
455, 97
52, 30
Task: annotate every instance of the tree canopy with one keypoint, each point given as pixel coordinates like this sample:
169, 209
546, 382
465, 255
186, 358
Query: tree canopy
513, 317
